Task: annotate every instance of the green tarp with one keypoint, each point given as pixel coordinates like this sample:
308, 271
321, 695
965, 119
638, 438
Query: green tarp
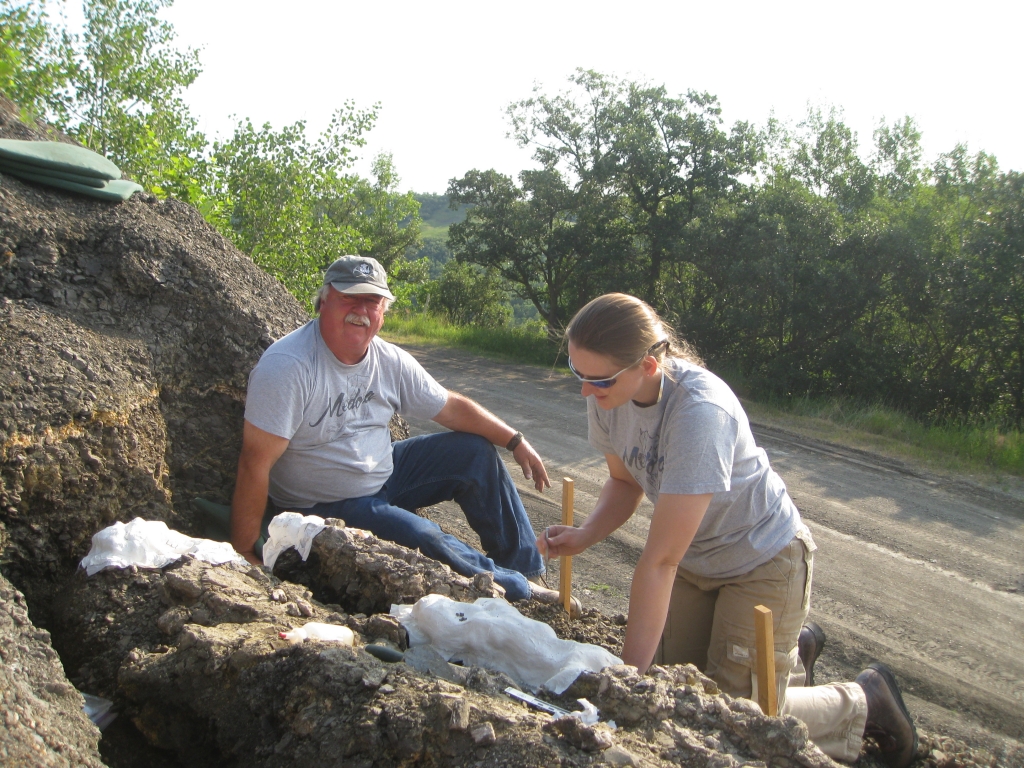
117, 190
13, 168
65, 166
57, 156
215, 523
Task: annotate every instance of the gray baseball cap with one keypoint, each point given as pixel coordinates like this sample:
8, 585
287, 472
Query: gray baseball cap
358, 274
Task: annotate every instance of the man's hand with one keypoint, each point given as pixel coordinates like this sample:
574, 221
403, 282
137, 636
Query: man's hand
533, 466
460, 414
252, 557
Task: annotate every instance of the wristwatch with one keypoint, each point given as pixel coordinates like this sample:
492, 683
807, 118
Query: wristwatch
517, 438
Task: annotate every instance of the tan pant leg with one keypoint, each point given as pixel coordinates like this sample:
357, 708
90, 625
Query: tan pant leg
688, 626
834, 714
711, 624
780, 585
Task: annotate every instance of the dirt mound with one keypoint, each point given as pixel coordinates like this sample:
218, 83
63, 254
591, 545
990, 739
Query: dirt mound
129, 331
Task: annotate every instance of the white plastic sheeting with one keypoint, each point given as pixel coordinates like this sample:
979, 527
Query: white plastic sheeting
492, 634
150, 544
290, 529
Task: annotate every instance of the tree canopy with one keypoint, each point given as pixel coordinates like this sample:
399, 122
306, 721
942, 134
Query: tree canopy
792, 256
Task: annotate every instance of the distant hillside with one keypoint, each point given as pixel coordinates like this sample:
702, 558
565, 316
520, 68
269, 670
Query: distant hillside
435, 212
437, 217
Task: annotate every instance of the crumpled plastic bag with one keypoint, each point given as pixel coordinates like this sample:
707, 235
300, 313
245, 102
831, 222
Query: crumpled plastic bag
99, 710
150, 544
290, 529
492, 634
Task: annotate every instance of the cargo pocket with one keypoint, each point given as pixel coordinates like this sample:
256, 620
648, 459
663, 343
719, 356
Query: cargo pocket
804, 535
736, 676
784, 663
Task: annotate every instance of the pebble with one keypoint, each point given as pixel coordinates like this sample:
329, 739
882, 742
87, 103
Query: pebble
483, 735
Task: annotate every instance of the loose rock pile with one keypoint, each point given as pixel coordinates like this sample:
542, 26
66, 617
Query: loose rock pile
193, 653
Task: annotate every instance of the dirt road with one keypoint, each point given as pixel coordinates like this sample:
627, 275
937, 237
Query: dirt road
921, 572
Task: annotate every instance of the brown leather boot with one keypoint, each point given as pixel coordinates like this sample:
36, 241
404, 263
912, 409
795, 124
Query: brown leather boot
889, 723
809, 645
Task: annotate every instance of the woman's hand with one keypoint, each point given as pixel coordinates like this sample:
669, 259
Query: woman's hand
562, 541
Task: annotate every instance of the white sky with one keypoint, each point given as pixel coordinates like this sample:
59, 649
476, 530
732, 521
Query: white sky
445, 71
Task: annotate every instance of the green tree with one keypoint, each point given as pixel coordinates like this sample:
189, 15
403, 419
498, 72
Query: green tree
998, 292
664, 160
897, 161
289, 202
35, 59
388, 220
468, 295
295, 205
409, 280
537, 236
128, 80
826, 159
116, 87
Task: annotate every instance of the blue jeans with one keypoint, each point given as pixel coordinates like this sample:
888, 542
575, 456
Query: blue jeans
442, 467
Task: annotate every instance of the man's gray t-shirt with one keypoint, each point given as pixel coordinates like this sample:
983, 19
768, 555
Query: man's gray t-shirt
335, 415
697, 440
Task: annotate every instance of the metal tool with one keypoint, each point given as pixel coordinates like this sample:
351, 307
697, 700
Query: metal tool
536, 703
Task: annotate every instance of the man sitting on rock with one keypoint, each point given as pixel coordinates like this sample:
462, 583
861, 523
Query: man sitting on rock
316, 438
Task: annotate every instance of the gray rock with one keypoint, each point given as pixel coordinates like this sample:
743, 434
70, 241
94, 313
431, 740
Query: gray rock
42, 722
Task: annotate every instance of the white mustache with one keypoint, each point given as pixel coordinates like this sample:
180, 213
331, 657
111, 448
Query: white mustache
355, 319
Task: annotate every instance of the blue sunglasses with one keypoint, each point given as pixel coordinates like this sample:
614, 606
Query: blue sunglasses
610, 381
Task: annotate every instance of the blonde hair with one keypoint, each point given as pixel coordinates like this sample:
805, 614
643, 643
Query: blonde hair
624, 329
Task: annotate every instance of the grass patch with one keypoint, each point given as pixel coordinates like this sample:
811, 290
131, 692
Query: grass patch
520, 344
978, 448
430, 232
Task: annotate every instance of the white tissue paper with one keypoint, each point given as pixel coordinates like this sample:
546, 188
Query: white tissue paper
150, 544
589, 715
492, 634
315, 630
290, 529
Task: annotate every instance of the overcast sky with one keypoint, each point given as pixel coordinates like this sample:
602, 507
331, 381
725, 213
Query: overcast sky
444, 72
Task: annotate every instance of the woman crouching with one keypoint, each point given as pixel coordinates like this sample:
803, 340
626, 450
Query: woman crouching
724, 537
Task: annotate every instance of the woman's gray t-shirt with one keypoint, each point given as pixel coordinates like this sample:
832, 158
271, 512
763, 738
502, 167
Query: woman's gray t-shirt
334, 415
697, 440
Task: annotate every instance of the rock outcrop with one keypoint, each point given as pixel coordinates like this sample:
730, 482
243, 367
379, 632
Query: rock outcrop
42, 722
128, 332
193, 654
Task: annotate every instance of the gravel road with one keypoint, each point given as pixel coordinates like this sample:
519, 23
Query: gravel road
925, 573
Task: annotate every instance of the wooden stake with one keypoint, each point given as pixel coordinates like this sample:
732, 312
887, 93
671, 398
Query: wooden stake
565, 562
765, 635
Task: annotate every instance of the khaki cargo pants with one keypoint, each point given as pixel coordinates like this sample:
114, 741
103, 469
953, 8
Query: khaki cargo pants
710, 624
